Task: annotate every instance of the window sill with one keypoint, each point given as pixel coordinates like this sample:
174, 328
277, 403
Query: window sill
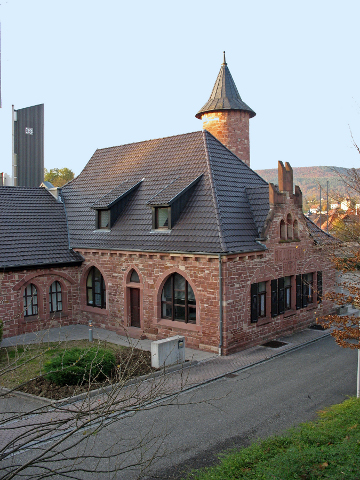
179, 325
160, 230
263, 321
100, 311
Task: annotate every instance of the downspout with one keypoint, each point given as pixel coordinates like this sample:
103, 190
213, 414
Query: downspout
220, 306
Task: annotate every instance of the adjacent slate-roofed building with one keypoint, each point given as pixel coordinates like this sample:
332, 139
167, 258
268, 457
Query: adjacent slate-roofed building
33, 230
170, 236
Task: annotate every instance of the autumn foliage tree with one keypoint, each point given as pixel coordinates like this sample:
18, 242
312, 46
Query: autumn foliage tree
58, 176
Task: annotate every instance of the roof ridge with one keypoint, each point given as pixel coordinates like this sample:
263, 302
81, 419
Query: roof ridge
150, 140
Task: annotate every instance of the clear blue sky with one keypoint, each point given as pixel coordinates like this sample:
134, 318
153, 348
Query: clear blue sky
116, 72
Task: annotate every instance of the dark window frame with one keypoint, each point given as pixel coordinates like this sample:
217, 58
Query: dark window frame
156, 225
172, 303
287, 294
93, 289
30, 299
256, 301
304, 290
99, 214
319, 289
55, 290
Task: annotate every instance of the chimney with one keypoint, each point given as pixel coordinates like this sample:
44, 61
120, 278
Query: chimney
285, 177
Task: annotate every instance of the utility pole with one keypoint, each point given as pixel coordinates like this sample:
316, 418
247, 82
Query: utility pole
320, 205
327, 206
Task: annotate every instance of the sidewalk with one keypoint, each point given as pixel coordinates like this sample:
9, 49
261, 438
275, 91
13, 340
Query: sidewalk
60, 415
81, 332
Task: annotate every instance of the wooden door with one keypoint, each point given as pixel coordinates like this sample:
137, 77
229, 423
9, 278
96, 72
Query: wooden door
135, 307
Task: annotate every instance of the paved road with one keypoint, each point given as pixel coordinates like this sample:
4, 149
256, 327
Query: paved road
259, 401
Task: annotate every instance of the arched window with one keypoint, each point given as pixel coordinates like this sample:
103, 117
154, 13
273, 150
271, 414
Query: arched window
134, 277
296, 229
95, 289
178, 300
55, 297
30, 300
289, 227
282, 230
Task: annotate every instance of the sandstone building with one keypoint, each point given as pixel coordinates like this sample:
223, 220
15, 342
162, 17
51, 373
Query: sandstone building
170, 236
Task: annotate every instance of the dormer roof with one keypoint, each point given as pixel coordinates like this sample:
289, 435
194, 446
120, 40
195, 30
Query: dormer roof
225, 95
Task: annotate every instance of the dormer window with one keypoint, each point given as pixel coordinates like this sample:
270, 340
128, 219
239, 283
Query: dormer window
103, 219
162, 215
169, 203
109, 207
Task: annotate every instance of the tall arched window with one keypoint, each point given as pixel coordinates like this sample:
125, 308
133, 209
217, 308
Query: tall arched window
282, 230
30, 298
296, 229
178, 300
289, 227
95, 289
55, 297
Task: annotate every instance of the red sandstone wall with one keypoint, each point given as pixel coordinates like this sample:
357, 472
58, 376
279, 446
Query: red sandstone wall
153, 269
281, 259
12, 286
231, 128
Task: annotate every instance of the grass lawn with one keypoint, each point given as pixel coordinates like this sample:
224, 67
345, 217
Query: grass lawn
326, 449
22, 367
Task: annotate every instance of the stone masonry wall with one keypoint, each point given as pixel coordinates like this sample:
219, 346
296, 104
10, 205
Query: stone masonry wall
153, 269
283, 258
12, 285
231, 128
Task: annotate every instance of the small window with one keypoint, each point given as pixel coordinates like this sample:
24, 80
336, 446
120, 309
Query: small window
134, 277
289, 227
304, 290
95, 289
30, 298
258, 301
55, 297
282, 230
308, 287
287, 292
178, 300
161, 218
262, 299
296, 229
103, 219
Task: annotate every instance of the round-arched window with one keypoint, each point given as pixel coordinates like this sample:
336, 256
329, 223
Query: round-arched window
95, 289
289, 227
30, 298
178, 301
296, 229
55, 299
282, 230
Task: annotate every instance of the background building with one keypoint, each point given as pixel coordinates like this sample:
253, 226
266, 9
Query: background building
28, 146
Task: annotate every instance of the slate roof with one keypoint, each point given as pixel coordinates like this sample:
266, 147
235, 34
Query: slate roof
33, 229
167, 195
318, 235
225, 95
116, 194
217, 218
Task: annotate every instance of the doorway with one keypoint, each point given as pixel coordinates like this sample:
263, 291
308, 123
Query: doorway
135, 307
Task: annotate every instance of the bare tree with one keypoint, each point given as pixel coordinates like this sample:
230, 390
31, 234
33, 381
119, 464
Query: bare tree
61, 438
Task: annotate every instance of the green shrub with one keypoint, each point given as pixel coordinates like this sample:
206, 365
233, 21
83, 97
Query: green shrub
79, 365
1, 329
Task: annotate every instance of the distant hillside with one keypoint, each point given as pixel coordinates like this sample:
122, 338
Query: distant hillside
309, 178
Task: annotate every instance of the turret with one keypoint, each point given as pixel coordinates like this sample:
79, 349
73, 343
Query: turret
226, 116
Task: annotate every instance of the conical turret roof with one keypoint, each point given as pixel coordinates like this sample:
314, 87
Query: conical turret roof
224, 95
